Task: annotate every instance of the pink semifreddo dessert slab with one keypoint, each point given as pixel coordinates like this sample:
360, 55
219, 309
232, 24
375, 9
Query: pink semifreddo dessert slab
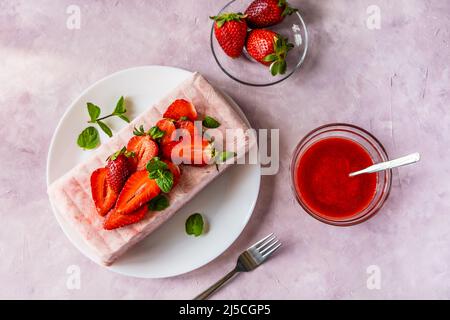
71, 193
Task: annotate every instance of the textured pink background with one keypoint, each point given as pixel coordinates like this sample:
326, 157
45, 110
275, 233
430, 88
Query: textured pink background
394, 82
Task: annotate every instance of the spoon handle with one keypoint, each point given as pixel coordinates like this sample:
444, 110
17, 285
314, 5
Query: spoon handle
400, 162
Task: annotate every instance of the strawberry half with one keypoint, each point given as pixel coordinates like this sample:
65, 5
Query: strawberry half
138, 190
187, 127
116, 220
144, 149
103, 195
230, 30
166, 149
194, 153
168, 126
181, 108
269, 48
119, 170
177, 132
266, 13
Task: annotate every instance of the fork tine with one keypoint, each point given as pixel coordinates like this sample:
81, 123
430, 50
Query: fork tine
269, 246
265, 243
261, 241
267, 254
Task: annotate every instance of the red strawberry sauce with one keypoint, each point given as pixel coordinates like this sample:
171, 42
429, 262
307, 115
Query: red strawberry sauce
323, 183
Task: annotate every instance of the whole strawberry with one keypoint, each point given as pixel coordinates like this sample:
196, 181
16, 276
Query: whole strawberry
265, 13
269, 48
230, 30
119, 169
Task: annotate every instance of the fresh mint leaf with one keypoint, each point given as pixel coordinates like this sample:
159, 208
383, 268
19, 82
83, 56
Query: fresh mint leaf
120, 107
158, 203
194, 225
94, 111
124, 118
210, 122
105, 128
88, 138
156, 133
159, 171
165, 180
154, 165
224, 156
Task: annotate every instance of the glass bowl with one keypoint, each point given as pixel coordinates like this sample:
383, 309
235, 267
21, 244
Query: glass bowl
249, 72
374, 149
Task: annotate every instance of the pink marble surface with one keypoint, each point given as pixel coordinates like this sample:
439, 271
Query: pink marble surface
393, 81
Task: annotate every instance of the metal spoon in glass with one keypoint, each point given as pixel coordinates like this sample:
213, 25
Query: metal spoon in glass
400, 162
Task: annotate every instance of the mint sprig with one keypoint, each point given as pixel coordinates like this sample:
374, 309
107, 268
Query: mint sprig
95, 111
89, 136
159, 171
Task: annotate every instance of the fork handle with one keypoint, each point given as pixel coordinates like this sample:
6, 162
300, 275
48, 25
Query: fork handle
216, 286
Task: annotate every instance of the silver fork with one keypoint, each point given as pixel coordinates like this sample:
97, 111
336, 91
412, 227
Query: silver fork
249, 260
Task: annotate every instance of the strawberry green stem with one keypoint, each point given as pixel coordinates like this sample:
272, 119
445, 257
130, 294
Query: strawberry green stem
227, 17
281, 47
287, 9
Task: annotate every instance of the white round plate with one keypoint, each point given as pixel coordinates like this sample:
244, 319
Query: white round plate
227, 203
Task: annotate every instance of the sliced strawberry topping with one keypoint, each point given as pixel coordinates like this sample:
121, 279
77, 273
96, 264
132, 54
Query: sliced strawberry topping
181, 108
168, 126
175, 171
138, 190
116, 220
167, 148
144, 149
103, 195
190, 152
202, 154
188, 128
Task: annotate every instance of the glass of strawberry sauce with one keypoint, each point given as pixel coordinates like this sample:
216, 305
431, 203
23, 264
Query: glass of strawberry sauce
320, 171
